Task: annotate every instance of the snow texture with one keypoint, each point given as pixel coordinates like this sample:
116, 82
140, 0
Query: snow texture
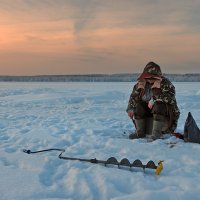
88, 120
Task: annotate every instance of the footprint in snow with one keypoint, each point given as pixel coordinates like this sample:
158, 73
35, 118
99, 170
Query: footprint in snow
6, 162
50, 174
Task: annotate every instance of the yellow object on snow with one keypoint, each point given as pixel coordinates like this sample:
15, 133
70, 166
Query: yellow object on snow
159, 167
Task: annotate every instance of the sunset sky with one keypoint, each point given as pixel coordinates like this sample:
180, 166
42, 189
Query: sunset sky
98, 36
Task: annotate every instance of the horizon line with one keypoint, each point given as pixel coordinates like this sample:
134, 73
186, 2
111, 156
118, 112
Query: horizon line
94, 74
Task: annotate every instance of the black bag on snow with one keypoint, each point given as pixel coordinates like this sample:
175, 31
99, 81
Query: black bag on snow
191, 130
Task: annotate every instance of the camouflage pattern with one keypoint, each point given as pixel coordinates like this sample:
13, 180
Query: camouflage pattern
166, 94
153, 68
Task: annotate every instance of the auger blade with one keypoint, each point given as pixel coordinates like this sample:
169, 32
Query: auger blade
151, 165
137, 163
125, 162
112, 161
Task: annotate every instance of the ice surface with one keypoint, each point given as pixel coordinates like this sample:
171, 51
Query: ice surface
88, 120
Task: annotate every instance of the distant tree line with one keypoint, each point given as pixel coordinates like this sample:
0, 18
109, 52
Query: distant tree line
96, 78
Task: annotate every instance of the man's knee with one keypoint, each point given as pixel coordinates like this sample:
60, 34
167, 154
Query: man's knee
142, 111
159, 112
160, 109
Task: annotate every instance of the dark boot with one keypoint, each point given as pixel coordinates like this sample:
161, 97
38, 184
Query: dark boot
157, 129
149, 125
140, 129
165, 128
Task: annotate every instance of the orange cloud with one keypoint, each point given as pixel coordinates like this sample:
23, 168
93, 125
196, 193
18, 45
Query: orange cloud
46, 36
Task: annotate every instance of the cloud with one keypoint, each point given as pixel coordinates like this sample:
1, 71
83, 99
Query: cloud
85, 12
112, 33
93, 14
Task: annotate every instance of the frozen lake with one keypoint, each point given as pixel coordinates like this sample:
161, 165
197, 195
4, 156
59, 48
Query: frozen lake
88, 120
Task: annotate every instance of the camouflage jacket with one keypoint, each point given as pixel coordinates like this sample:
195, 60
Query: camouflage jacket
166, 95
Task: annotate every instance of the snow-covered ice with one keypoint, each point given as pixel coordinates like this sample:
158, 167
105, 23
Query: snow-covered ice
88, 120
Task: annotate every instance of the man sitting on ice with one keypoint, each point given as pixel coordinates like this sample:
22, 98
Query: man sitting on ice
153, 104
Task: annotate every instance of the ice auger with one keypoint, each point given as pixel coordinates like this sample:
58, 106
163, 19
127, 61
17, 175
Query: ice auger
110, 161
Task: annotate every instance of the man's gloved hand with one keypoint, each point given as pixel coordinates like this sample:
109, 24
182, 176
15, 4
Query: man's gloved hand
131, 114
150, 104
